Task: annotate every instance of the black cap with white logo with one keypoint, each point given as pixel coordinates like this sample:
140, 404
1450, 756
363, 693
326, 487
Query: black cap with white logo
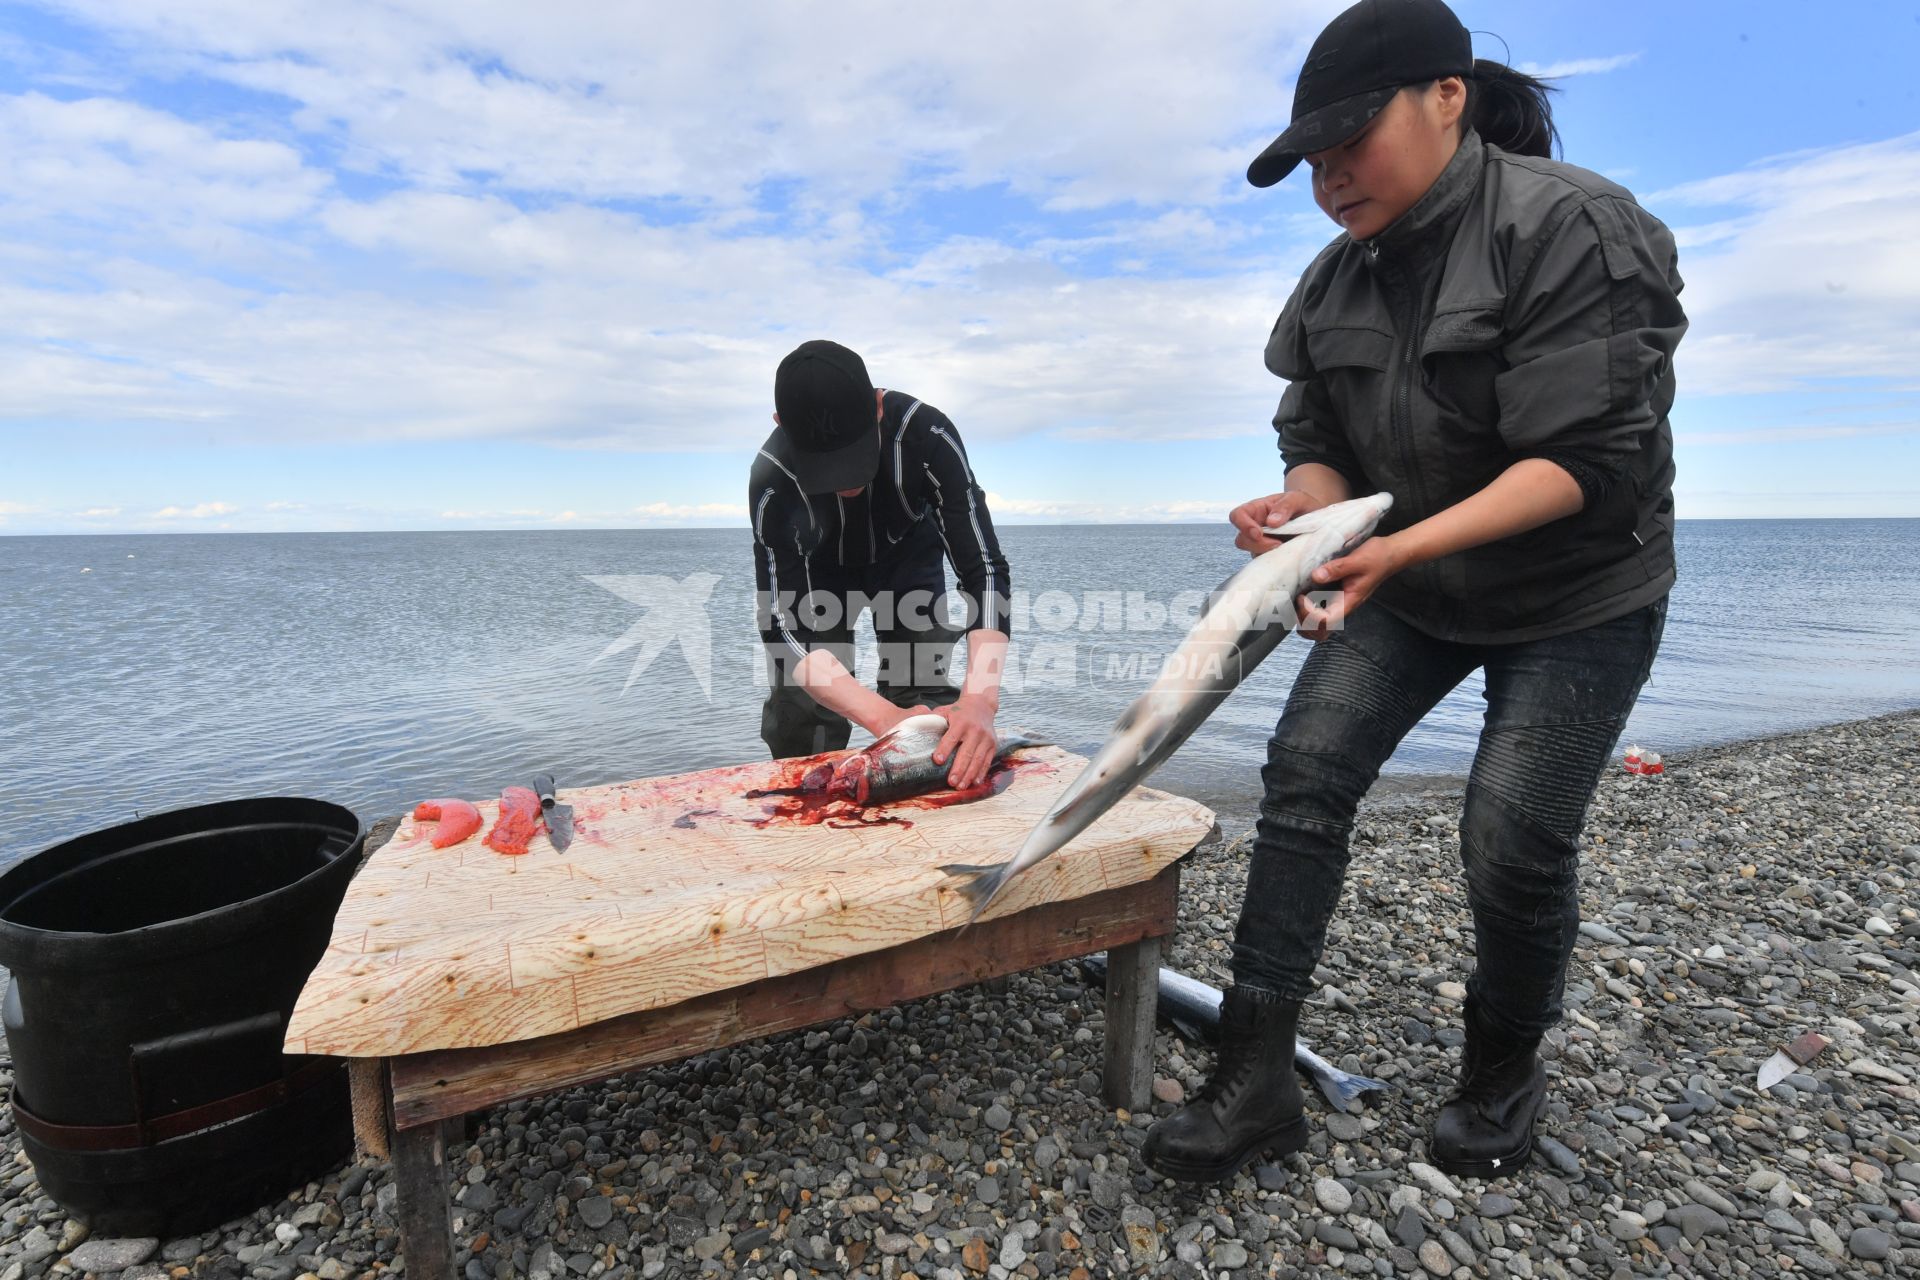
1359, 62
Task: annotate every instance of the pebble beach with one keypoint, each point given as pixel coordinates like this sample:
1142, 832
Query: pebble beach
1750, 893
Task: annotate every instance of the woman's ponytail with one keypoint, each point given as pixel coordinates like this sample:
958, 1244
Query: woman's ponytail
1509, 109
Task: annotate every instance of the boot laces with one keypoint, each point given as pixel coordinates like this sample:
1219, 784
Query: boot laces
1491, 1079
1238, 1058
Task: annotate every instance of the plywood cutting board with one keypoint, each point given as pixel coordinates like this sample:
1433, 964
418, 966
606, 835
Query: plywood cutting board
676, 887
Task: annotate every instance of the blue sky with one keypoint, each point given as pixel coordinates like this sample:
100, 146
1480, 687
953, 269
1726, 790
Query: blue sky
435, 264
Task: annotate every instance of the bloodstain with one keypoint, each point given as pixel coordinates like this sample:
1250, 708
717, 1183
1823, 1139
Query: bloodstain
816, 808
685, 821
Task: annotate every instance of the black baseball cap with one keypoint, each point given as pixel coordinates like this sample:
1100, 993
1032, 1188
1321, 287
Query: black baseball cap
1364, 57
825, 402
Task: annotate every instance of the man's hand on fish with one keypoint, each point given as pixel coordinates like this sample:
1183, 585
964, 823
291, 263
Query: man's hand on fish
883, 720
1252, 519
970, 741
1353, 578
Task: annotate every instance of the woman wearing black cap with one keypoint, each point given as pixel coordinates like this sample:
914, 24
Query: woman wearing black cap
1490, 340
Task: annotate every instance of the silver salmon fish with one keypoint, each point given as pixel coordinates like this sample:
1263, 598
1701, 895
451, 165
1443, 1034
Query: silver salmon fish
900, 763
1245, 617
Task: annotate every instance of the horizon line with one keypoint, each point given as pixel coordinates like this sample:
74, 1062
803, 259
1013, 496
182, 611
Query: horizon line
742, 527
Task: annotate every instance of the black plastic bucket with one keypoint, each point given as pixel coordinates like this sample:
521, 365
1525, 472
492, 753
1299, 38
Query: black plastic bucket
154, 967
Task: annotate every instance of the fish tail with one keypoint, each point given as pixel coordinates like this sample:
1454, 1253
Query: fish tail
983, 884
1342, 1088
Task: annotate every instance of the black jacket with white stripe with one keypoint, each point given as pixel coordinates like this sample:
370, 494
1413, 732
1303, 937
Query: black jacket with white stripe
805, 543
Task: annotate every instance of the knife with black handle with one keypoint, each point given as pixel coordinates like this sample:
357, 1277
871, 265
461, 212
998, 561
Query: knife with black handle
559, 816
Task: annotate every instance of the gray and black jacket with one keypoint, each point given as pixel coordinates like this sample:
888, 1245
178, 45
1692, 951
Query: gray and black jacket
823, 542
1523, 308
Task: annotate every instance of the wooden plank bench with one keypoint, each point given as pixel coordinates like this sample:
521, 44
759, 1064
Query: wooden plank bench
697, 912
409, 1107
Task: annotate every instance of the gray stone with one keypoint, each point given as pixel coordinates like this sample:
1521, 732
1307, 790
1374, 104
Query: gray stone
1495, 1205
1230, 1255
1826, 1237
1336, 1235
1558, 1155
1013, 1249
1333, 1197
1700, 1193
1408, 1229
36, 1246
1869, 1244
1342, 1127
181, 1250
987, 1190
996, 1117
1107, 1189
1697, 1220
1627, 1225
1781, 1220
595, 1211
113, 1255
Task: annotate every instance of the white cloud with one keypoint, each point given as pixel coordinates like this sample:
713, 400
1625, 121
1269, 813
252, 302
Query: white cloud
1578, 66
1078, 102
1813, 279
600, 227
99, 513
15, 509
98, 160
1801, 434
199, 511
732, 512
1047, 510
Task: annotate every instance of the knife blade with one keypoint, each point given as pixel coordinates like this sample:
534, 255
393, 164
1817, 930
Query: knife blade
559, 816
1789, 1058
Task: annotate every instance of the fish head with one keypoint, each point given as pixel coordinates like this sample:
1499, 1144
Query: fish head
850, 780
817, 778
1352, 521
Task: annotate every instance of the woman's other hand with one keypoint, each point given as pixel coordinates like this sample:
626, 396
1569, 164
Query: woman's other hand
1270, 512
1354, 577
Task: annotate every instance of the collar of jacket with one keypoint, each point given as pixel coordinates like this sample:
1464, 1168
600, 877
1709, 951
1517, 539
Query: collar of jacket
1426, 227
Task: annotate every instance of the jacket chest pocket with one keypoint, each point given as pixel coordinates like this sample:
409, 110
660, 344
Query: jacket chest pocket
1460, 358
1353, 365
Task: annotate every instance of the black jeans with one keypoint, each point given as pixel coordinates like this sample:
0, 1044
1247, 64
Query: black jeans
915, 644
1555, 708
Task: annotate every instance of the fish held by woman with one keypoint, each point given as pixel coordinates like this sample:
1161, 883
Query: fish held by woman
1245, 618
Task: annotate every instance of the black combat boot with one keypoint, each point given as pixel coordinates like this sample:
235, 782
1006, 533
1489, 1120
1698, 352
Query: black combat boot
1251, 1104
1485, 1129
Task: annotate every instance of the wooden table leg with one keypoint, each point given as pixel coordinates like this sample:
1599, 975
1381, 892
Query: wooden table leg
1133, 997
421, 1202
368, 1089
